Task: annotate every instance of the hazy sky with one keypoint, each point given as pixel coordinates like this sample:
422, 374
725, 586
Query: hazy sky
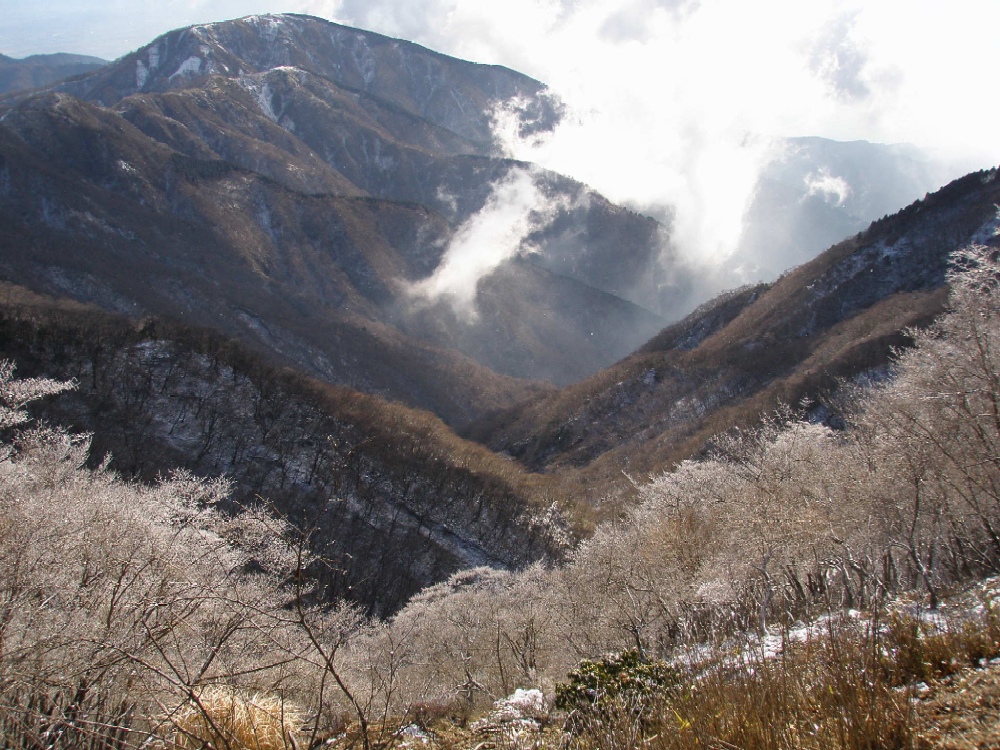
916, 70
671, 100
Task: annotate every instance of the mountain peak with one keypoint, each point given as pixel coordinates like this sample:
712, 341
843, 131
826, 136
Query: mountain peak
454, 94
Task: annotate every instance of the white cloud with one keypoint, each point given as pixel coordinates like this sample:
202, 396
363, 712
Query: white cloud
516, 208
834, 190
674, 103
837, 59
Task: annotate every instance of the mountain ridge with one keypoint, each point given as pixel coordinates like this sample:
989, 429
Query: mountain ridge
36, 71
837, 317
352, 58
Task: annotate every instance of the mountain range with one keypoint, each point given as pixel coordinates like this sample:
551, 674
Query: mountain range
290, 205
270, 249
36, 71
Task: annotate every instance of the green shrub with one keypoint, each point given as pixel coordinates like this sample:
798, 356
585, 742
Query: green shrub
623, 677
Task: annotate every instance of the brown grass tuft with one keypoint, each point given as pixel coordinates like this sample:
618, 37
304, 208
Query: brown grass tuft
224, 718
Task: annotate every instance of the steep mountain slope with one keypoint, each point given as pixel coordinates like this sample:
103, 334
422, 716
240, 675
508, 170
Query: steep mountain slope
749, 351
286, 179
93, 210
393, 499
41, 70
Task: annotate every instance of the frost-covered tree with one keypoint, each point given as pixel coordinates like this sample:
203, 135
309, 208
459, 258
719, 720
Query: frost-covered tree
933, 433
121, 602
777, 521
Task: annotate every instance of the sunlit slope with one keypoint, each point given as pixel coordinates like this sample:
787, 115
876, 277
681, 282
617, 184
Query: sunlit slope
746, 353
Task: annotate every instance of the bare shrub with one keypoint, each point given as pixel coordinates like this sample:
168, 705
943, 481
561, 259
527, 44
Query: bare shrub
121, 599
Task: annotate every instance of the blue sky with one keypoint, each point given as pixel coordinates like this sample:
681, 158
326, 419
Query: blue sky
671, 100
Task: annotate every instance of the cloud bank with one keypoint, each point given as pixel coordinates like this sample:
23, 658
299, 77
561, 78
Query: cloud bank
679, 103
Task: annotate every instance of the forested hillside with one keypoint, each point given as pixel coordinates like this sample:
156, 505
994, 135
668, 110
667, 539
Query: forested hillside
396, 500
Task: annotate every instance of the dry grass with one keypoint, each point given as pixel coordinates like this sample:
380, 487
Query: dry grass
961, 712
853, 684
226, 719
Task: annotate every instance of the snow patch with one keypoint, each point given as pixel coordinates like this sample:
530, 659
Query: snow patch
269, 26
897, 249
154, 57
514, 717
412, 736
383, 162
864, 260
258, 87
264, 100
141, 74
190, 67
525, 702
988, 231
364, 59
266, 221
